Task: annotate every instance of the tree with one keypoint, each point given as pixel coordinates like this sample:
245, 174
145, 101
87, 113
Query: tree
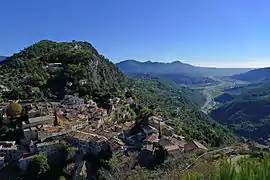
62, 178
14, 109
37, 167
70, 153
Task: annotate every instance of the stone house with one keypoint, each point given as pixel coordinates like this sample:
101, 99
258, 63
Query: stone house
194, 146
72, 102
42, 120
87, 142
54, 132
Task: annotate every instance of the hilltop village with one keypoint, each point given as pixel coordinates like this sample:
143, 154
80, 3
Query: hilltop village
42, 127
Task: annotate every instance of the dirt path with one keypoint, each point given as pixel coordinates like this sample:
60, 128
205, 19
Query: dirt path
209, 152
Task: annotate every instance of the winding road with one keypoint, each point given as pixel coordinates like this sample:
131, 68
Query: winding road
210, 92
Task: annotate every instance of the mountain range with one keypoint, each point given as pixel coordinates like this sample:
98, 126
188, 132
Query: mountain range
2, 58
176, 67
178, 72
256, 75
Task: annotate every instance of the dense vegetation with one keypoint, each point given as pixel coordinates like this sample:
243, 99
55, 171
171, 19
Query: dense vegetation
49, 69
255, 167
178, 105
246, 111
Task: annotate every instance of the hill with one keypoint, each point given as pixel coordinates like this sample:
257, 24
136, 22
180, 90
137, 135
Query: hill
50, 69
246, 111
256, 75
2, 58
176, 68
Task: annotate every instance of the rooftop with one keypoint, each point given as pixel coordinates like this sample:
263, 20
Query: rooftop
172, 148
47, 143
40, 119
199, 145
153, 138
87, 136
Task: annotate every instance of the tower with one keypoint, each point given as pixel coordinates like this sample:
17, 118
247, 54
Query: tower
159, 130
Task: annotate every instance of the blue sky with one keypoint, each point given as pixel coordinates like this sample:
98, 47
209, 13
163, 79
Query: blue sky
223, 33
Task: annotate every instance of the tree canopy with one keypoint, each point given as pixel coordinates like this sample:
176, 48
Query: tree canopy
37, 167
14, 109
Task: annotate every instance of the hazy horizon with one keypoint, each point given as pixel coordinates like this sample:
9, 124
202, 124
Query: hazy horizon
249, 64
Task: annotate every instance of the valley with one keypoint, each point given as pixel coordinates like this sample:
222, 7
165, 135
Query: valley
211, 92
135, 90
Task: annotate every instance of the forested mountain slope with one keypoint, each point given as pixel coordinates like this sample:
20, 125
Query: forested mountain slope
51, 69
247, 111
256, 75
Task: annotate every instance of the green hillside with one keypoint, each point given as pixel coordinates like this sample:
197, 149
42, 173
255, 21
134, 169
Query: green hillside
49, 69
247, 112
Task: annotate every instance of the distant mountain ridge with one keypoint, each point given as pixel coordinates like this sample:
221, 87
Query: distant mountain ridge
2, 58
262, 74
177, 72
176, 67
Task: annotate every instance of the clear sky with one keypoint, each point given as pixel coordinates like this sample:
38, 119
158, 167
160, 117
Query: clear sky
223, 33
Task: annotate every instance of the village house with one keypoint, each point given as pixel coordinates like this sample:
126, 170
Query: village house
172, 145
173, 150
42, 120
98, 113
9, 149
157, 123
149, 130
75, 125
72, 102
195, 146
87, 142
153, 138
30, 134
48, 148
116, 144
53, 132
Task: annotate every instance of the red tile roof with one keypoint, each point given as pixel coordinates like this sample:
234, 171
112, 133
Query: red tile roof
129, 124
152, 138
